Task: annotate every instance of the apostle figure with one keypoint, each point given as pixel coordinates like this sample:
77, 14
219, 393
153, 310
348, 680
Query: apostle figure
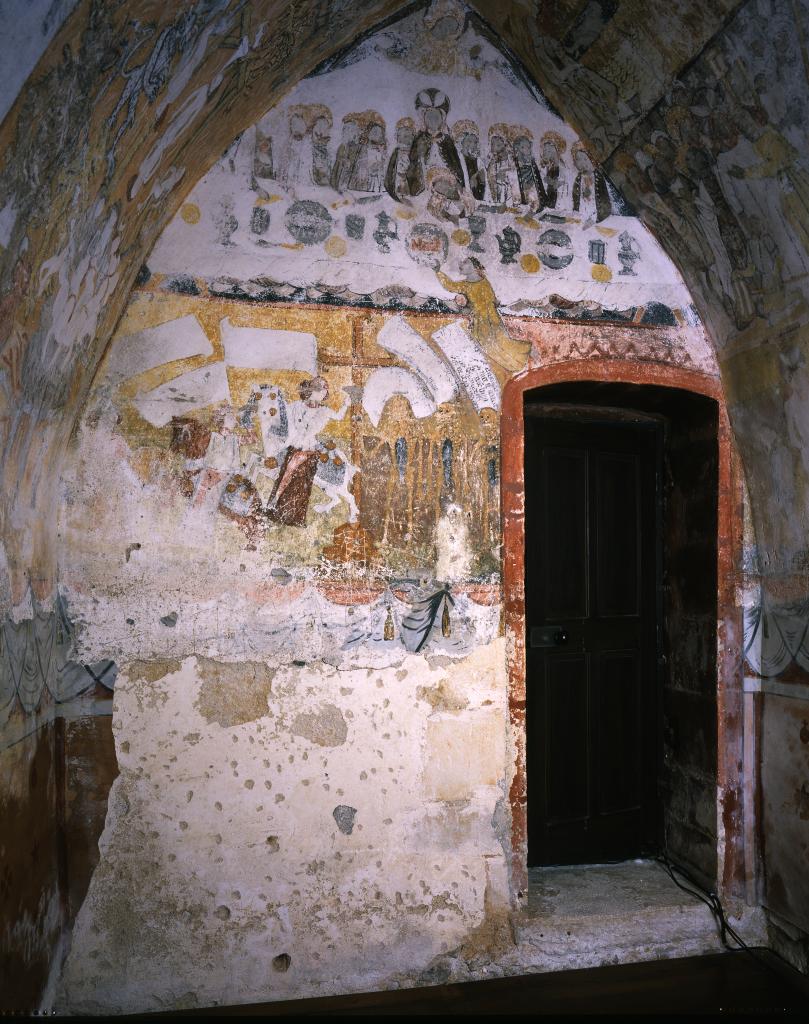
532, 191
591, 197
298, 150
369, 168
448, 201
433, 146
262, 162
556, 184
467, 139
396, 174
348, 152
502, 171
321, 137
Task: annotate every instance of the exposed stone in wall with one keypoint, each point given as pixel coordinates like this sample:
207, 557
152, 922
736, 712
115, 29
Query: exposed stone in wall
325, 726
245, 817
232, 694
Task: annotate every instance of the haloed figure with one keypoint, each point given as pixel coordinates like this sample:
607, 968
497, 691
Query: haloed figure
433, 147
591, 197
321, 164
348, 152
502, 172
447, 200
297, 152
372, 160
532, 191
474, 172
396, 175
556, 184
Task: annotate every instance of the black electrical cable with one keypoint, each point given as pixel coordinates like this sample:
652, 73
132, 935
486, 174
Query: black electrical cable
714, 904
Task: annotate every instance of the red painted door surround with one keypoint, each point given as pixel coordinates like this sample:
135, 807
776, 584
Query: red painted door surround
736, 782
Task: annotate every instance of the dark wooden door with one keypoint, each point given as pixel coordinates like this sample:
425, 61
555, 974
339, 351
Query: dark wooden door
591, 595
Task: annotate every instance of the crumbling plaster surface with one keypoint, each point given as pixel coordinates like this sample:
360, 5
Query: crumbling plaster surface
73, 236
222, 850
275, 738
216, 65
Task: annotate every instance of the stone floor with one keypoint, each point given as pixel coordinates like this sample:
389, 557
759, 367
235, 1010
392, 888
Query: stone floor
608, 917
592, 915
723, 983
647, 946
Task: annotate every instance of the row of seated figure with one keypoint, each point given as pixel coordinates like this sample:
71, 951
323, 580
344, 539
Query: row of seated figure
430, 157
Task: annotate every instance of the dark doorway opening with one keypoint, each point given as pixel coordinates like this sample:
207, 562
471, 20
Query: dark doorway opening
621, 493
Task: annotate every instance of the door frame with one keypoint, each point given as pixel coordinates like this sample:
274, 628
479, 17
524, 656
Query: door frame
737, 785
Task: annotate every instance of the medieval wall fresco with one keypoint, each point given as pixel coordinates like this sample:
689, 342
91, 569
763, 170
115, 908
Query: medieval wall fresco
85, 188
324, 202
125, 110
137, 98
71, 242
308, 375
281, 520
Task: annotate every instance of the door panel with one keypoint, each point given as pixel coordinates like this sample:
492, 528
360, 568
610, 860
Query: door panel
617, 533
591, 666
566, 533
619, 732
566, 696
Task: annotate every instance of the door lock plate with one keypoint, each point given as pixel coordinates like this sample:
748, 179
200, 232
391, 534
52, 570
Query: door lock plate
547, 636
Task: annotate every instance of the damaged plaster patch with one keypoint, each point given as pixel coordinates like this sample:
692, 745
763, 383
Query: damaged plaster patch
442, 697
151, 671
86, 272
233, 694
326, 727
463, 753
151, 908
344, 816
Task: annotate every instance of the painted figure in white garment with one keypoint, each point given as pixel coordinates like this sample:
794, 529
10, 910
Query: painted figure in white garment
306, 419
